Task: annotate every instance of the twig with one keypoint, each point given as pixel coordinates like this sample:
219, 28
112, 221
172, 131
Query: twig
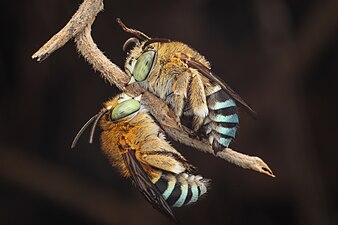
89, 50
79, 27
84, 15
159, 109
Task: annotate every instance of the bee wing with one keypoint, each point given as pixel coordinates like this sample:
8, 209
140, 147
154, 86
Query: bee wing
144, 184
207, 72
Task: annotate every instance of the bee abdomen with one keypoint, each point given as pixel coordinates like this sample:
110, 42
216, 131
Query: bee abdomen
181, 189
221, 124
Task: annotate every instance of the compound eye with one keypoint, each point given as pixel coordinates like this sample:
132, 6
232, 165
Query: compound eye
125, 109
143, 65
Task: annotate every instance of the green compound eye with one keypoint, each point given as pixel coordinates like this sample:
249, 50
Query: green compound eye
143, 65
125, 108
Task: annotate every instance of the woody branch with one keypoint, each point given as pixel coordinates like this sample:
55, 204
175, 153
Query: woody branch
79, 29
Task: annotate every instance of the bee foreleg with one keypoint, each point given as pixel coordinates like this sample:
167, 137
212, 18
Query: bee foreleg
180, 88
198, 100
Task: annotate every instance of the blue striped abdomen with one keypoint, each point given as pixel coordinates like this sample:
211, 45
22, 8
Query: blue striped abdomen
181, 189
221, 124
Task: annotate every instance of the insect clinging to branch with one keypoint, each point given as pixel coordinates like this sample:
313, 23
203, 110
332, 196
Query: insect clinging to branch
135, 144
131, 138
183, 78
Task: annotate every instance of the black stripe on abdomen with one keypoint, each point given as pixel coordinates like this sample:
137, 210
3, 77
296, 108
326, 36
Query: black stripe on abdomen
175, 195
162, 185
189, 196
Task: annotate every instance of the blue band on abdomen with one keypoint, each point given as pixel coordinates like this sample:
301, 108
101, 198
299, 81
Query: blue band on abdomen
184, 193
170, 188
224, 119
222, 105
226, 131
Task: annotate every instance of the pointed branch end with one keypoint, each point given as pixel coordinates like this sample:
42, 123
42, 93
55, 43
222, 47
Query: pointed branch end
260, 166
40, 56
245, 161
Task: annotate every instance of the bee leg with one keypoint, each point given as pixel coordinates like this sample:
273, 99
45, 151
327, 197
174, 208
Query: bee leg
198, 101
159, 154
171, 102
180, 88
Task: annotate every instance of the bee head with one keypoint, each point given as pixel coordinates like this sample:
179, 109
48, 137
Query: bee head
142, 56
122, 107
140, 60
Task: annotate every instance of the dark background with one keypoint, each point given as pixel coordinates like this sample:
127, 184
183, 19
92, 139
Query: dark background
281, 56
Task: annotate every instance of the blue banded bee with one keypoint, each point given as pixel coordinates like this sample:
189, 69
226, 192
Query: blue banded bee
136, 146
183, 78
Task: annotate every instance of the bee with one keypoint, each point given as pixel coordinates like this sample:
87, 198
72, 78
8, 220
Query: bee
182, 77
137, 147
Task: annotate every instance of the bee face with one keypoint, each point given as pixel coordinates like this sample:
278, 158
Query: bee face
141, 62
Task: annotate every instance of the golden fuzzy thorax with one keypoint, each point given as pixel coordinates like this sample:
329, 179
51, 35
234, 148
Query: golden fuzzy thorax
173, 80
168, 66
138, 132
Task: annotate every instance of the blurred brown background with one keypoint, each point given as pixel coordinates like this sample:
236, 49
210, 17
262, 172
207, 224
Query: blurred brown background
281, 56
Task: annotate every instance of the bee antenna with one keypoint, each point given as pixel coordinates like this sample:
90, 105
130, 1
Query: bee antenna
83, 128
130, 41
153, 40
92, 131
137, 33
